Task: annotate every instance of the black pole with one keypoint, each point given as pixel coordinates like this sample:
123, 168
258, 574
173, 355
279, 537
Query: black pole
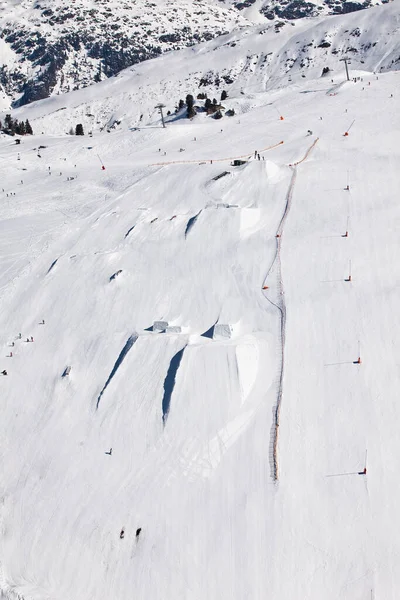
162, 117
346, 60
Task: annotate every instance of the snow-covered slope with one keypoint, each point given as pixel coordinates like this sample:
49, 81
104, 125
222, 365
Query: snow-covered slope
241, 427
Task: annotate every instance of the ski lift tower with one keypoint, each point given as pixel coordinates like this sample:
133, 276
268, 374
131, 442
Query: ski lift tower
346, 61
160, 108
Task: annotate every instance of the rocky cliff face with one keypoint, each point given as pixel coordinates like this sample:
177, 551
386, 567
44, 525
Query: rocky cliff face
50, 47
298, 9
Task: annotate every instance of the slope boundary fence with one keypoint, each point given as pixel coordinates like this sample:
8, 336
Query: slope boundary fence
281, 306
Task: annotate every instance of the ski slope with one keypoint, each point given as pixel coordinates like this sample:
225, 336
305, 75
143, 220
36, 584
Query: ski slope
191, 412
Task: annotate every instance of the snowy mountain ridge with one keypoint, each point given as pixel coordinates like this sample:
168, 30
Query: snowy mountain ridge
52, 47
244, 64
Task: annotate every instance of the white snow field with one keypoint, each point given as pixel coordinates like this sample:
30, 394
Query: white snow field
230, 505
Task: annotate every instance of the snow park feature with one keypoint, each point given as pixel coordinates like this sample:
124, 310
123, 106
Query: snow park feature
209, 408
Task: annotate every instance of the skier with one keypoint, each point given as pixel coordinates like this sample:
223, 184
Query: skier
309, 132
27, 339
122, 534
31, 339
138, 532
109, 452
11, 354
19, 336
12, 344
4, 372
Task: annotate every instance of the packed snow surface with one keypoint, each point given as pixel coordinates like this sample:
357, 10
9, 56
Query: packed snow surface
257, 330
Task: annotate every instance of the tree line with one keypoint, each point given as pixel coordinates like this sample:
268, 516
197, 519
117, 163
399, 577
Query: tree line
210, 106
14, 127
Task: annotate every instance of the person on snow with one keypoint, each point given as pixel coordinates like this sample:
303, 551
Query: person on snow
122, 534
138, 530
4, 372
31, 339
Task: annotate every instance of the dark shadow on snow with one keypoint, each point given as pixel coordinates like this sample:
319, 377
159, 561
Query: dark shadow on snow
190, 223
220, 175
128, 232
52, 265
210, 332
169, 383
132, 339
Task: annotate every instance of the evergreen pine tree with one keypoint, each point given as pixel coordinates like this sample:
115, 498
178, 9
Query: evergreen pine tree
8, 122
79, 129
28, 128
224, 95
190, 106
